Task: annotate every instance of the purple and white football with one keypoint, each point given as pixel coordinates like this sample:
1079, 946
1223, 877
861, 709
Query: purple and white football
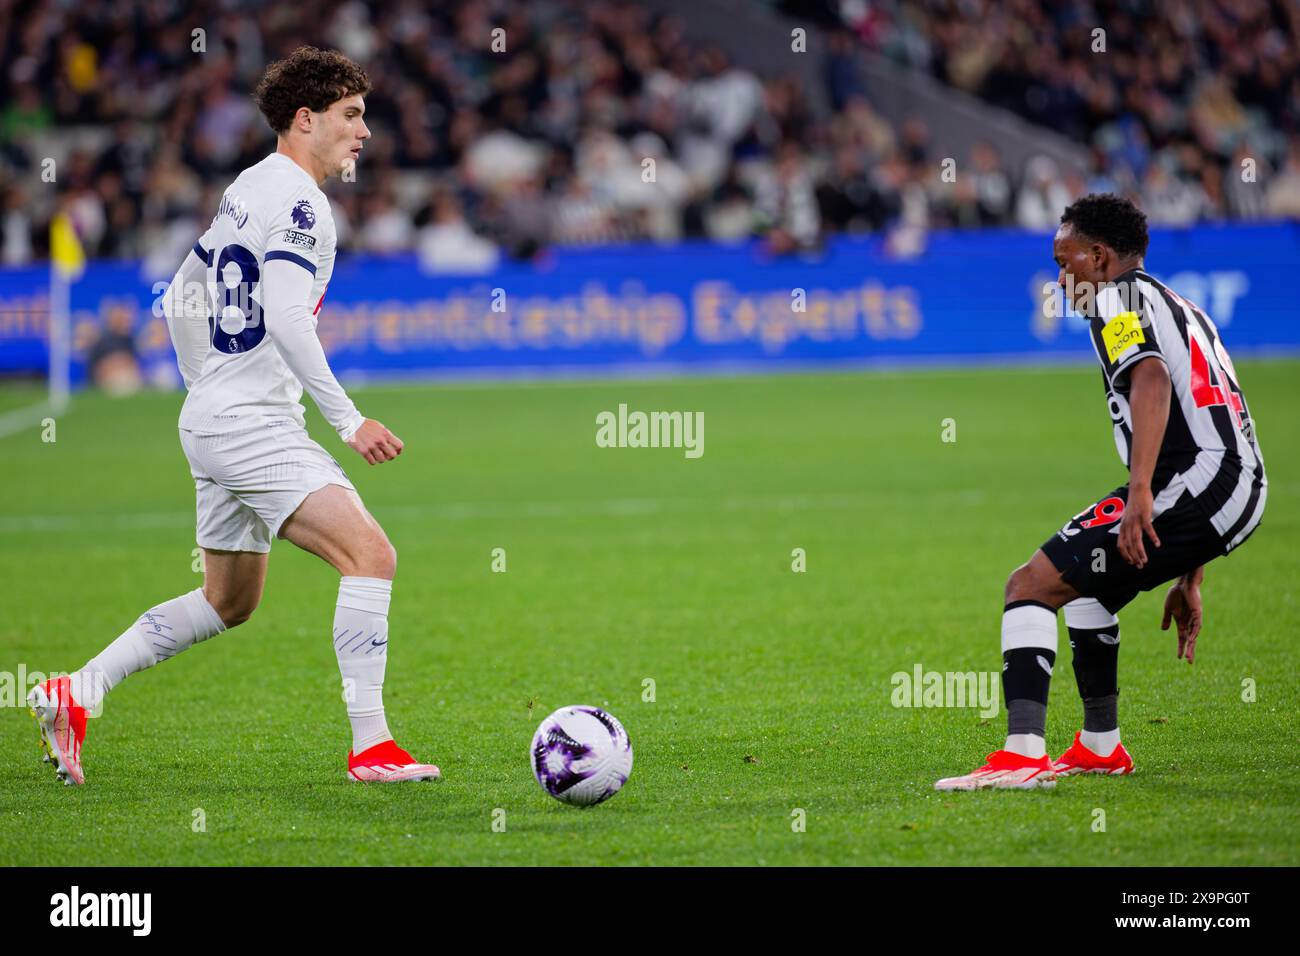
581, 755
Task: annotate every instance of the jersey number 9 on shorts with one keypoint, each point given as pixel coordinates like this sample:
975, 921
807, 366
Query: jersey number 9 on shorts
236, 323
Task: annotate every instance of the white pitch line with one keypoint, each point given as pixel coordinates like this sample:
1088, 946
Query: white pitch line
460, 511
21, 419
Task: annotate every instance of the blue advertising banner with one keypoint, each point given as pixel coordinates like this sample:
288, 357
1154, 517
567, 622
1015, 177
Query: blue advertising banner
967, 296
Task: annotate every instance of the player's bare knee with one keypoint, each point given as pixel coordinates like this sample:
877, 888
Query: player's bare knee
233, 609
1026, 584
1038, 581
237, 612
1016, 584
383, 559
236, 617
373, 557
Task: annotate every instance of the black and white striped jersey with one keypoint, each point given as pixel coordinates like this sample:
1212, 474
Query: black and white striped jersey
1210, 449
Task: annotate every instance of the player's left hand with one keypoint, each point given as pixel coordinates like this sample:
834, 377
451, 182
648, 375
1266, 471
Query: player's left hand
1183, 606
1137, 521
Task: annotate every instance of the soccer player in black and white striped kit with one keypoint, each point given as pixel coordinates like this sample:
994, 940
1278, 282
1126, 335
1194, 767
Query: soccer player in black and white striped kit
1196, 491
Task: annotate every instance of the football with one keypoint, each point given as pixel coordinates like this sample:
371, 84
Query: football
581, 755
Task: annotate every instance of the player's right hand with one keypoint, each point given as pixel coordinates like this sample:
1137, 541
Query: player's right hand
1136, 522
375, 443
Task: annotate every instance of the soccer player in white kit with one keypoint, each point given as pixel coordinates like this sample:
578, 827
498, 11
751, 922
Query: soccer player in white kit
242, 315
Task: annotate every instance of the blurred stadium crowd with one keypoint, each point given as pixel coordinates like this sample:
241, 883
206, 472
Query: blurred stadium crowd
1170, 97
479, 154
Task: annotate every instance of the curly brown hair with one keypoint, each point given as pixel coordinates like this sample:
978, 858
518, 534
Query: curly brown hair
307, 77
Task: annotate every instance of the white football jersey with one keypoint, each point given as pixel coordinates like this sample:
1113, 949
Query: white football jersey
273, 210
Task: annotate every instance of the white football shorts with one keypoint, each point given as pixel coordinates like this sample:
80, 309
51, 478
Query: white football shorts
247, 483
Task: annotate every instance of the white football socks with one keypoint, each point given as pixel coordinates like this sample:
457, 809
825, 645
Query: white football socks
1103, 744
161, 632
1094, 636
1028, 654
361, 643
1027, 745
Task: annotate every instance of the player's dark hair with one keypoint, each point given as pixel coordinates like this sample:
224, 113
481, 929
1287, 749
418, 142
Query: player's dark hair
1111, 220
307, 77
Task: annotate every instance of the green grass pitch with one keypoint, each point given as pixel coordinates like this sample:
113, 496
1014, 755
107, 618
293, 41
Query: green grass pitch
772, 688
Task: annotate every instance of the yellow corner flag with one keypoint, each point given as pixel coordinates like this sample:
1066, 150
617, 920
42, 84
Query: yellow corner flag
66, 254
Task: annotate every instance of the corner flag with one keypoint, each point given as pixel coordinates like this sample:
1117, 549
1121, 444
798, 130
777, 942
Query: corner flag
66, 254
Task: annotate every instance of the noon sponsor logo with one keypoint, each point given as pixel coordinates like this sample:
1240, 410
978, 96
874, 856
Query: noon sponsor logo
1122, 333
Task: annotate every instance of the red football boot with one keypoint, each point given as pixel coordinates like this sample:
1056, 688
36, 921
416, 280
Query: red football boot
1079, 759
63, 727
1004, 770
388, 763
